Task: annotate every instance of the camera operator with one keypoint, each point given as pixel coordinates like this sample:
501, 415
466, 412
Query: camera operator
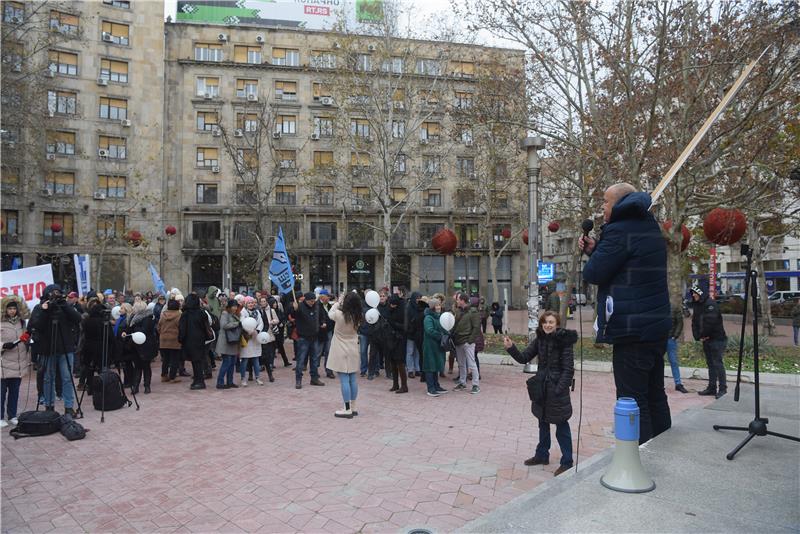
54, 319
97, 329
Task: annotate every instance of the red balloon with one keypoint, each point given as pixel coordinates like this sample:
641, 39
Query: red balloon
553, 226
444, 241
724, 226
55, 227
687, 236
525, 236
170, 230
506, 233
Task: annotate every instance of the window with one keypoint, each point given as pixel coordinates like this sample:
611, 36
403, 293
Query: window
400, 164
362, 62
286, 56
467, 233
207, 85
432, 197
320, 90
432, 164
13, 12
399, 98
360, 234
247, 158
207, 120
399, 195
428, 66
63, 63
497, 232
113, 108
465, 134
428, 230
124, 4
359, 159
463, 100
500, 199
360, 196
247, 54
244, 88
359, 128
206, 193
114, 71
13, 52
112, 186
207, 157
393, 65
398, 129
10, 224
287, 159
286, 195
286, 124
466, 167
207, 52
291, 230
465, 198
323, 231
110, 226
65, 221
64, 22
323, 126
323, 59
206, 232
323, 159
285, 90
116, 33
360, 95
61, 143
429, 131
115, 146
323, 195
9, 179
246, 194
60, 183
429, 97
63, 102
462, 69
247, 122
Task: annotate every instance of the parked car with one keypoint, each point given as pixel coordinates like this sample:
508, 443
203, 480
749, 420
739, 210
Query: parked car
779, 297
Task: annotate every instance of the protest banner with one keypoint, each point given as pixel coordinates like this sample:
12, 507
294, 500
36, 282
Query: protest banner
28, 283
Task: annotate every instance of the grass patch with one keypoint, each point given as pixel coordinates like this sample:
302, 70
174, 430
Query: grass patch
690, 354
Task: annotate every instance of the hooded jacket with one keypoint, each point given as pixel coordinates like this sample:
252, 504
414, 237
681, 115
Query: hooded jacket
15, 361
629, 264
707, 320
168, 329
212, 297
192, 328
60, 340
145, 323
93, 335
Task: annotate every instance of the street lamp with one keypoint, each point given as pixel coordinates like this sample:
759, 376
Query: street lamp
532, 145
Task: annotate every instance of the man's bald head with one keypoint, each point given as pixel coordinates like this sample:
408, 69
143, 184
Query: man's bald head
612, 196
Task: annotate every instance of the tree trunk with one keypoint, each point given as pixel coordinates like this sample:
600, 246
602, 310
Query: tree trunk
767, 325
387, 250
675, 279
492, 263
572, 280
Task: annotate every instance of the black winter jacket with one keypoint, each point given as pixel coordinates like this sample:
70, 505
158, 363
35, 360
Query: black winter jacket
62, 339
307, 320
557, 360
93, 327
192, 329
707, 320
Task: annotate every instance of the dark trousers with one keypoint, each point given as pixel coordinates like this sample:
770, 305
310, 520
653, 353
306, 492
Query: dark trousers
564, 438
497, 328
227, 369
483, 324
9, 390
432, 379
308, 350
375, 359
171, 359
268, 355
281, 349
398, 369
142, 369
714, 349
639, 373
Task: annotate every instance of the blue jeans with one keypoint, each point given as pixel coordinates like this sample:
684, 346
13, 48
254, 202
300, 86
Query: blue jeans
363, 348
226, 369
64, 363
325, 348
412, 356
672, 354
243, 367
432, 379
307, 349
9, 387
796, 333
564, 438
349, 386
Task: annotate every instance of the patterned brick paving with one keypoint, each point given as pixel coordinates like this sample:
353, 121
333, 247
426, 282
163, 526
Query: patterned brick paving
274, 459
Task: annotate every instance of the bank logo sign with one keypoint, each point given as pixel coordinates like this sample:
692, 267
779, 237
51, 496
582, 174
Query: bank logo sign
301, 14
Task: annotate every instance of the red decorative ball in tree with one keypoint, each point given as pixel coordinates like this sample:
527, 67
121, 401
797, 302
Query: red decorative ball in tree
506, 232
444, 241
525, 236
553, 226
55, 227
134, 237
170, 230
724, 226
687, 235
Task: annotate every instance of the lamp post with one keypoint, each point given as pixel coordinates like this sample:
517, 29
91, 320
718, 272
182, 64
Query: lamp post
532, 145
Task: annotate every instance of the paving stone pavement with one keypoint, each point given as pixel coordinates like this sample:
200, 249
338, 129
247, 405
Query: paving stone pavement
274, 459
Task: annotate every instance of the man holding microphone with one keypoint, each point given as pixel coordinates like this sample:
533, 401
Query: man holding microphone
629, 265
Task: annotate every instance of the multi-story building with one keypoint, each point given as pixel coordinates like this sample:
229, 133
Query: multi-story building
82, 136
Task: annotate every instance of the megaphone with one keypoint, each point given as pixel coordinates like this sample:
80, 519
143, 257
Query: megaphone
529, 368
626, 473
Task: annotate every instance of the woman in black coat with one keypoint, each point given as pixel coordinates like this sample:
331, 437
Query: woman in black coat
93, 327
396, 344
142, 320
555, 369
192, 335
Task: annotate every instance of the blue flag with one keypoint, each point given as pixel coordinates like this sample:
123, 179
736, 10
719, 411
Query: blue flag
280, 270
158, 284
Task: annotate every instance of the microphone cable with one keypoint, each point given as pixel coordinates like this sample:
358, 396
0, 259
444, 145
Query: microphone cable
587, 226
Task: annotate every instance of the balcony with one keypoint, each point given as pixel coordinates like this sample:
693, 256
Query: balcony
10, 239
202, 244
58, 240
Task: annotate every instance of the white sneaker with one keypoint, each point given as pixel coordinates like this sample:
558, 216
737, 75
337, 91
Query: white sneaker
244, 382
3, 423
259, 382
345, 414
14, 421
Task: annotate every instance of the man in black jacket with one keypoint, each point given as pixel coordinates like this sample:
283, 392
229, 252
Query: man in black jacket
707, 327
326, 326
307, 321
55, 321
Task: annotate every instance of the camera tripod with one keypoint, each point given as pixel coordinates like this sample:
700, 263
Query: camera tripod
50, 359
758, 426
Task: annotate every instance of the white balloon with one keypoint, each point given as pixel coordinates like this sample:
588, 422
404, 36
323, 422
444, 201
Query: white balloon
447, 320
372, 298
139, 337
263, 338
151, 305
249, 324
115, 312
372, 316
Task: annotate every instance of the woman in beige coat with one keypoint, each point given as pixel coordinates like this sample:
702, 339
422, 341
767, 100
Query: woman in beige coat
15, 359
344, 357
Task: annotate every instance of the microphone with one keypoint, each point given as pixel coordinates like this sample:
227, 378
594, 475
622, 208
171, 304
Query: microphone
587, 226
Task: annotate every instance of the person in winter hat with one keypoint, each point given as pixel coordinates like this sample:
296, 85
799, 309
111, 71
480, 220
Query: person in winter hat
15, 361
707, 327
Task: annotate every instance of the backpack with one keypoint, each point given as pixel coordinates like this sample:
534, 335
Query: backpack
36, 424
447, 344
71, 429
107, 386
